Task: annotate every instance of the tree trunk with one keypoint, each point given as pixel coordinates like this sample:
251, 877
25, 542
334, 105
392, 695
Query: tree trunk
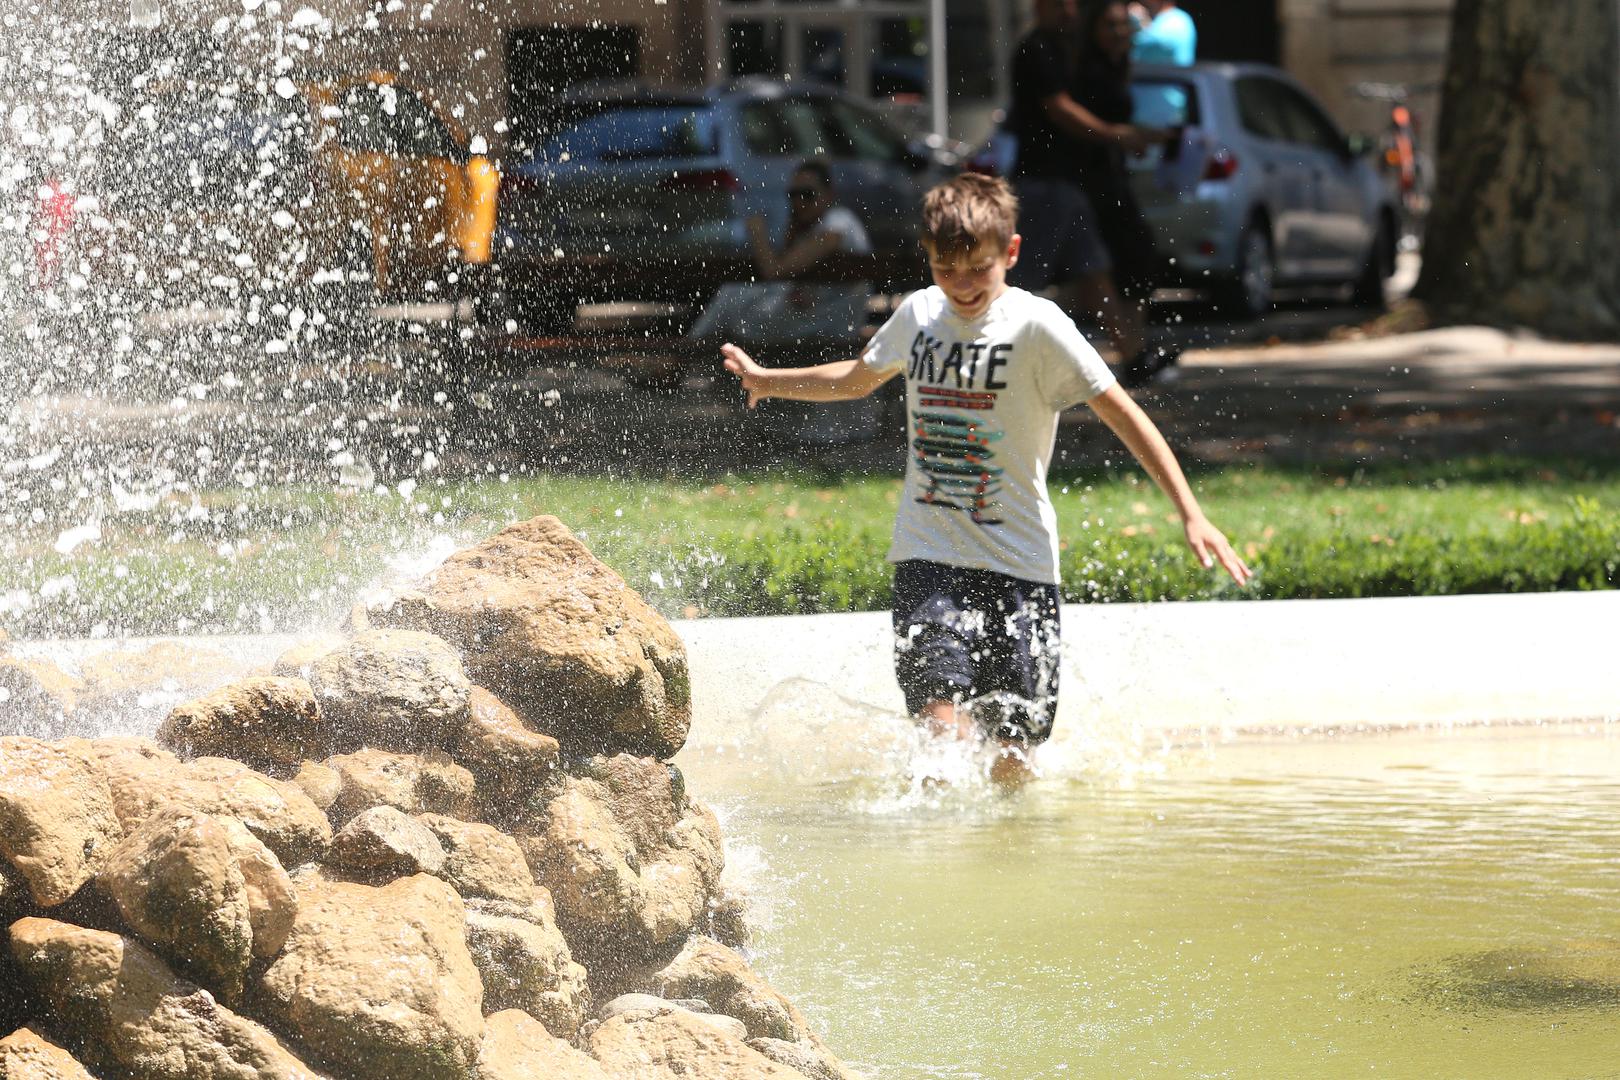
1525, 229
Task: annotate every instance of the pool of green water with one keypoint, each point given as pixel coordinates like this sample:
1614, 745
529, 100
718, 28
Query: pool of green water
1423, 905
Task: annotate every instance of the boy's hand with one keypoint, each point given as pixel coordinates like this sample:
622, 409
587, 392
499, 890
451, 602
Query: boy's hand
1210, 545
752, 375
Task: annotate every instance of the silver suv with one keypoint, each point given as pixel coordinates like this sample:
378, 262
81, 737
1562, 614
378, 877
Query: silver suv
1276, 194
629, 193
1262, 190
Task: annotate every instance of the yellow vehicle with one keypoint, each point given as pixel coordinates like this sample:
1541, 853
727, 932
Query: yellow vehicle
204, 197
402, 173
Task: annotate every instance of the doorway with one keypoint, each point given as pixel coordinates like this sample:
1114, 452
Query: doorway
1236, 29
543, 60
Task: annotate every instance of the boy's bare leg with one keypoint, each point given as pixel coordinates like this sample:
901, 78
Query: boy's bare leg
1094, 295
1014, 764
942, 718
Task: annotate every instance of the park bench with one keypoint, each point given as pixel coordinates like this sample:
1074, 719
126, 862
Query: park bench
653, 350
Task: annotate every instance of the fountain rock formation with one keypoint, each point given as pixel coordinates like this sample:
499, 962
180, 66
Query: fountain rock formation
447, 846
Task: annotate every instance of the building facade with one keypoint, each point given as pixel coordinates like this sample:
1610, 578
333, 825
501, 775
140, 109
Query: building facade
498, 61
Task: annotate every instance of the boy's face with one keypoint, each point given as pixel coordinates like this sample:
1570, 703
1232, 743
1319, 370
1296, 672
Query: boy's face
972, 280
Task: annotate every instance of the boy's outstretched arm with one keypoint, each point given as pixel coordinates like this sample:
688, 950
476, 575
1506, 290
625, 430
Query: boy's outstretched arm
840, 380
1142, 438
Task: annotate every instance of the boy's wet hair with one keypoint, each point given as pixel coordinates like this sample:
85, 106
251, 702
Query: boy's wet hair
968, 210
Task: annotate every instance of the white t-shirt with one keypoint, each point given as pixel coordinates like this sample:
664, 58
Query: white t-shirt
841, 221
982, 404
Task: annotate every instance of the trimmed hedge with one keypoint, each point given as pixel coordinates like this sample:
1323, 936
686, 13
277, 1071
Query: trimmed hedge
281, 558
825, 566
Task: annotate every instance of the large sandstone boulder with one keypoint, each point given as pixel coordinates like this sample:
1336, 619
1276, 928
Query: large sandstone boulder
415, 784
264, 721
560, 638
810, 1058
480, 860
525, 963
510, 761
727, 919
144, 778
678, 1045
321, 784
379, 980
135, 1017
133, 768
203, 890
299, 660
382, 843
516, 1047
633, 1003
13, 893
708, 970
57, 817
630, 861
36, 697
25, 1054
412, 783
392, 689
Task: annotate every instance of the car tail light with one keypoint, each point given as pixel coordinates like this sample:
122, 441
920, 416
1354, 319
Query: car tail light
703, 180
1222, 165
55, 216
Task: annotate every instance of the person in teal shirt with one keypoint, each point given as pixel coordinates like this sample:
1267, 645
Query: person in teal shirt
1165, 35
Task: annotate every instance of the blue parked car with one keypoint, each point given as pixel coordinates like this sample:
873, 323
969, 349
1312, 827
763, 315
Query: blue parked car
1263, 189
634, 193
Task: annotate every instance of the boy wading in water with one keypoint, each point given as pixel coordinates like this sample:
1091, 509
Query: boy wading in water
988, 368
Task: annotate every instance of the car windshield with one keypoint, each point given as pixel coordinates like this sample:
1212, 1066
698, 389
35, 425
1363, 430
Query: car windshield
635, 132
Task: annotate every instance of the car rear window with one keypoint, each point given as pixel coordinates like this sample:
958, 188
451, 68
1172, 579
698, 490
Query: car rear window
380, 118
1261, 108
635, 132
1161, 102
786, 128
817, 126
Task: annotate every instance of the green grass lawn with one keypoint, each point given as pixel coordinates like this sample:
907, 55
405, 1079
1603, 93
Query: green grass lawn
285, 558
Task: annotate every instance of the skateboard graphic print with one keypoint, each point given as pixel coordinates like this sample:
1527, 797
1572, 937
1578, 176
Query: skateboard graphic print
953, 433
957, 457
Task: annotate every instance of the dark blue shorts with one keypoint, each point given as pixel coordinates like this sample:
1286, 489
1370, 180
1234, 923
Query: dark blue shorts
981, 638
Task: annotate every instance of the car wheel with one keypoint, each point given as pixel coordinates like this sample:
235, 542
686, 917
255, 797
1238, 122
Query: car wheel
547, 310
1368, 290
1248, 294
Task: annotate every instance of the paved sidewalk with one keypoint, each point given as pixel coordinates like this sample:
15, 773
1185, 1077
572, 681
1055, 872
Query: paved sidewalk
1435, 394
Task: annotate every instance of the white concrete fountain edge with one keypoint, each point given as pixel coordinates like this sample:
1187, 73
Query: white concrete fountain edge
1182, 670
1189, 670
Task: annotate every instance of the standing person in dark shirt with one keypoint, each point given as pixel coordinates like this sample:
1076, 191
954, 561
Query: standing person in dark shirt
1102, 86
1063, 243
